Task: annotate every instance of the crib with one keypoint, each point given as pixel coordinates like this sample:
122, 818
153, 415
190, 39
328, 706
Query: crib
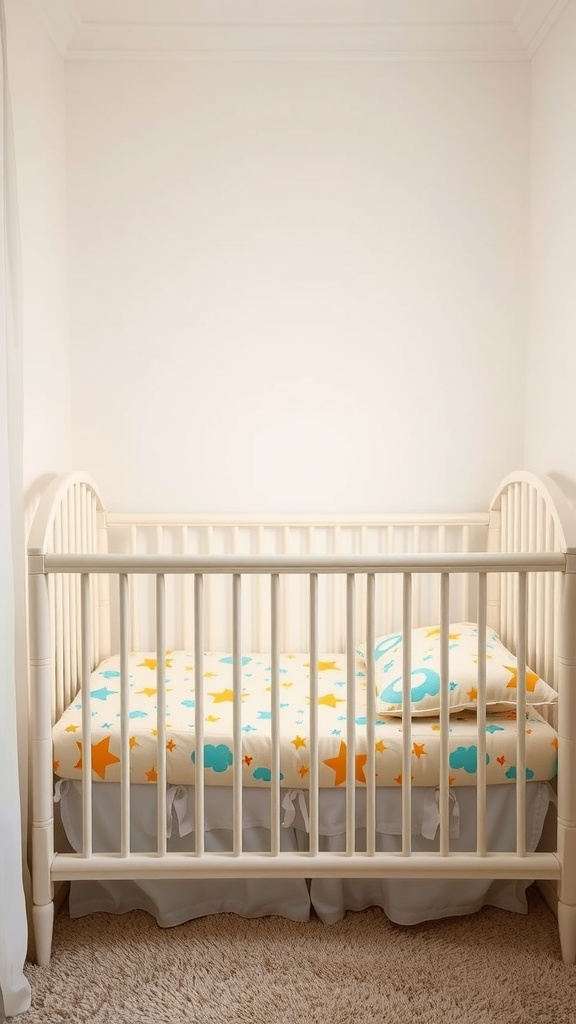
281, 668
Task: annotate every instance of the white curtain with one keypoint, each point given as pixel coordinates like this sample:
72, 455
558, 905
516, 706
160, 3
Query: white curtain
14, 987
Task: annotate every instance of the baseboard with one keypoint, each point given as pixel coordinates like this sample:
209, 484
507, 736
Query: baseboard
548, 890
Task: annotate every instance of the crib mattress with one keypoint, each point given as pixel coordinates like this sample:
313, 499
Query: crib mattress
295, 754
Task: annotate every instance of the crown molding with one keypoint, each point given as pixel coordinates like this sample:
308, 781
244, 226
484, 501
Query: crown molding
61, 21
534, 21
354, 41
79, 39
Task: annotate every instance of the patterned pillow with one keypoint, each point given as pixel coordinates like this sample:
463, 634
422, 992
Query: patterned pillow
501, 672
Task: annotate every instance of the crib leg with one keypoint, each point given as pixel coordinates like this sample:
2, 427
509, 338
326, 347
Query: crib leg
43, 921
567, 929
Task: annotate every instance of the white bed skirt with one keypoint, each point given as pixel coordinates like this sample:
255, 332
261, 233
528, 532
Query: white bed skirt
405, 901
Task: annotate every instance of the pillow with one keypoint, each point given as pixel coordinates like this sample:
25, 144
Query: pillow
501, 672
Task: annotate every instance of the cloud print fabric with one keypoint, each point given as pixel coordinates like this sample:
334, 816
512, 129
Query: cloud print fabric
501, 671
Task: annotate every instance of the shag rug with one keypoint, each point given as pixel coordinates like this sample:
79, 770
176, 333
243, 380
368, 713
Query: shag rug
493, 967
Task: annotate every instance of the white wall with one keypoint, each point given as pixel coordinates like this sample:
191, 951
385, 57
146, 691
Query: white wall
551, 396
298, 286
37, 88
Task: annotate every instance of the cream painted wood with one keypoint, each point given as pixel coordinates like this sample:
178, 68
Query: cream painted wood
323, 583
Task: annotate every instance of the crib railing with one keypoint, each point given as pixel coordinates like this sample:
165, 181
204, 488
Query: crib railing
360, 571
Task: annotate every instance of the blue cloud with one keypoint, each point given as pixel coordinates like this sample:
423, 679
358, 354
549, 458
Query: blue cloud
103, 693
264, 774
429, 687
138, 714
511, 773
494, 728
229, 660
466, 758
388, 643
218, 758
188, 703
110, 673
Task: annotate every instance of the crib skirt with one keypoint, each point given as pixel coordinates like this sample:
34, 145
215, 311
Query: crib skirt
405, 901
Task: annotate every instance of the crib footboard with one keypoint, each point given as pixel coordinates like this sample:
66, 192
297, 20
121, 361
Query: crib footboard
371, 610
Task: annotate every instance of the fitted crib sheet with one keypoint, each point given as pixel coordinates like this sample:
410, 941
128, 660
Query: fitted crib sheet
295, 753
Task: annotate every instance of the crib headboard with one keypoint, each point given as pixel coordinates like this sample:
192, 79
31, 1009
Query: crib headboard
530, 513
527, 513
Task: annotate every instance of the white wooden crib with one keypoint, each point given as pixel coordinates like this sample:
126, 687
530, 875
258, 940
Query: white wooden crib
102, 583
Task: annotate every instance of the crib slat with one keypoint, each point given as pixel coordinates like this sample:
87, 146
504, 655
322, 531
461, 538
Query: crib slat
313, 715
407, 715
237, 711
521, 718
275, 711
124, 718
86, 717
444, 714
350, 720
199, 712
481, 717
370, 716
161, 710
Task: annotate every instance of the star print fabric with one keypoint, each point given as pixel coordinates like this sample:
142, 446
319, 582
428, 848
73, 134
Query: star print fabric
256, 711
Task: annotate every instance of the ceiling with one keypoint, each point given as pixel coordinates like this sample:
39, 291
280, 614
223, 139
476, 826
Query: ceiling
299, 29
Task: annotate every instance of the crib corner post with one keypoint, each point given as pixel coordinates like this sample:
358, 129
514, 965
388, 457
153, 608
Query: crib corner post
43, 925
567, 763
41, 755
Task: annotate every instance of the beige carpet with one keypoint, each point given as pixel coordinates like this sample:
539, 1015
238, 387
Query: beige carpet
491, 968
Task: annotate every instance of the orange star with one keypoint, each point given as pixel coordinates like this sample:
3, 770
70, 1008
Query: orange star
554, 743
340, 766
531, 678
380, 747
152, 775
247, 760
170, 746
501, 760
55, 765
419, 750
303, 770
472, 693
101, 756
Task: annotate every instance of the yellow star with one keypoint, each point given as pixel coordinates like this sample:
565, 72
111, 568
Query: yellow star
531, 679
212, 718
554, 743
287, 685
419, 750
55, 765
298, 742
152, 663
101, 756
148, 690
330, 700
210, 675
380, 747
71, 728
327, 666
222, 695
438, 632
133, 742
